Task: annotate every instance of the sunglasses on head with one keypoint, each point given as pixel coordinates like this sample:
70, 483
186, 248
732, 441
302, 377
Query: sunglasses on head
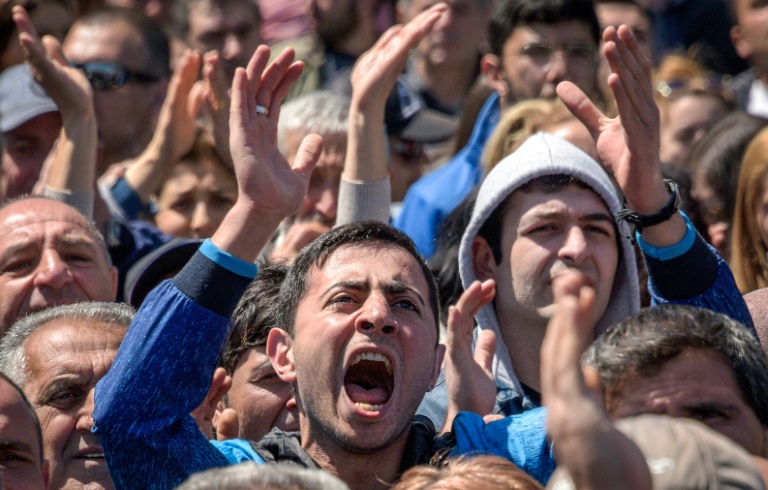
104, 75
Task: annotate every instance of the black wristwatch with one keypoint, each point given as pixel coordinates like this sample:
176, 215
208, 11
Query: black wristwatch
641, 221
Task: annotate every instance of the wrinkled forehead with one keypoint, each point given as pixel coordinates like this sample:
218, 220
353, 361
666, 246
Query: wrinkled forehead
23, 216
74, 336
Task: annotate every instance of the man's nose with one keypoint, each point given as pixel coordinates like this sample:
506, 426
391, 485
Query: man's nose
233, 47
557, 70
85, 413
201, 222
376, 316
575, 248
52, 271
327, 202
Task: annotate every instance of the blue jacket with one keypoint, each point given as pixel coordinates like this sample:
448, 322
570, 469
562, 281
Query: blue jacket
164, 367
433, 196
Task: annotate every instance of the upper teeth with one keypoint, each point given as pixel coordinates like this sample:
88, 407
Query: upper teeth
373, 356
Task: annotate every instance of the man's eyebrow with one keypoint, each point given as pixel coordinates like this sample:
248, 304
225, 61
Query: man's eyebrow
15, 249
398, 287
354, 285
13, 445
59, 383
262, 369
598, 216
392, 288
712, 405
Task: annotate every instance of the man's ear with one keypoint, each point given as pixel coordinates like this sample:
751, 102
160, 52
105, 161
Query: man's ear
439, 355
483, 259
490, 65
280, 353
743, 48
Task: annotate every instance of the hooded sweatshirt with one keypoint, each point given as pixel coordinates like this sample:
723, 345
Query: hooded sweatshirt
542, 155
693, 275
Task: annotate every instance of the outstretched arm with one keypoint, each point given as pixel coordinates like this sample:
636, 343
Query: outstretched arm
681, 267
595, 453
628, 145
73, 166
373, 78
164, 367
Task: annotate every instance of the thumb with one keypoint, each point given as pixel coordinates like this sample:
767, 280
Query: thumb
485, 348
228, 426
308, 155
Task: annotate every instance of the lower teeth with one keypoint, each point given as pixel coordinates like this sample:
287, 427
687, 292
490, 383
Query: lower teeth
367, 407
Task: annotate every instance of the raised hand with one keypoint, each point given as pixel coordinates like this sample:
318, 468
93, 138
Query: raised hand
593, 451
373, 78
469, 377
269, 189
73, 166
216, 97
628, 145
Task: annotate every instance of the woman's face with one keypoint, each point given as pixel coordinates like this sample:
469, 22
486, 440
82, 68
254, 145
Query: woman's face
195, 199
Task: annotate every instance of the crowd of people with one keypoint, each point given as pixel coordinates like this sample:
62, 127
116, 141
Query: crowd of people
370, 244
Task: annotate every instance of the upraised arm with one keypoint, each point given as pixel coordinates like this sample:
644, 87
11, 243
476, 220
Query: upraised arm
595, 453
269, 189
373, 78
73, 168
628, 145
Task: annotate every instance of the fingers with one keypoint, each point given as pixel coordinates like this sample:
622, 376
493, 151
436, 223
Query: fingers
630, 81
239, 110
281, 91
308, 154
580, 106
53, 50
485, 348
228, 425
272, 77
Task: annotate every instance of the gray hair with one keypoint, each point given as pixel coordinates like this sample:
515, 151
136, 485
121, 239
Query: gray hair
288, 476
323, 112
13, 361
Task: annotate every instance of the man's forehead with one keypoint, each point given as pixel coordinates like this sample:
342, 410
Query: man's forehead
115, 41
356, 261
558, 33
27, 213
522, 200
55, 341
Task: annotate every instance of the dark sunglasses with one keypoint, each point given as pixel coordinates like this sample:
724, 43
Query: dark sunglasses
104, 75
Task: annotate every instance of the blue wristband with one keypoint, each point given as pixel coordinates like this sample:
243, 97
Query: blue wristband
673, 251
228, 261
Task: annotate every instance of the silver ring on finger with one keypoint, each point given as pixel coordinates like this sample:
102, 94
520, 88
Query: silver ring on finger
261, 110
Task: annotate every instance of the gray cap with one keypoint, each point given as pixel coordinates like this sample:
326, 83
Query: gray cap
21, 98
683, 454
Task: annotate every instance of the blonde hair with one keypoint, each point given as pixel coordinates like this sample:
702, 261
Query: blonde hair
520, 122
748, 260
468, 472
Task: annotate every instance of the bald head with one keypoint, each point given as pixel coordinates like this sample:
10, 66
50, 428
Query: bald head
50, 254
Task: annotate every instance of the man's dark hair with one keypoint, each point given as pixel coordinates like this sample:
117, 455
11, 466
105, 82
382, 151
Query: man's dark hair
255, 314
508, 15
316, 253
445, 261
25, 400
180, 13
153, 36
493, 226
642, 344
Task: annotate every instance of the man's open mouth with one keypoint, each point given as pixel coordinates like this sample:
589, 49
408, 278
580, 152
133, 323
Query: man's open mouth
369, 381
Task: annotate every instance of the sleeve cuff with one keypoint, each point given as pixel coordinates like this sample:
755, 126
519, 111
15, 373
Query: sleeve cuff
228, 261
673, 251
